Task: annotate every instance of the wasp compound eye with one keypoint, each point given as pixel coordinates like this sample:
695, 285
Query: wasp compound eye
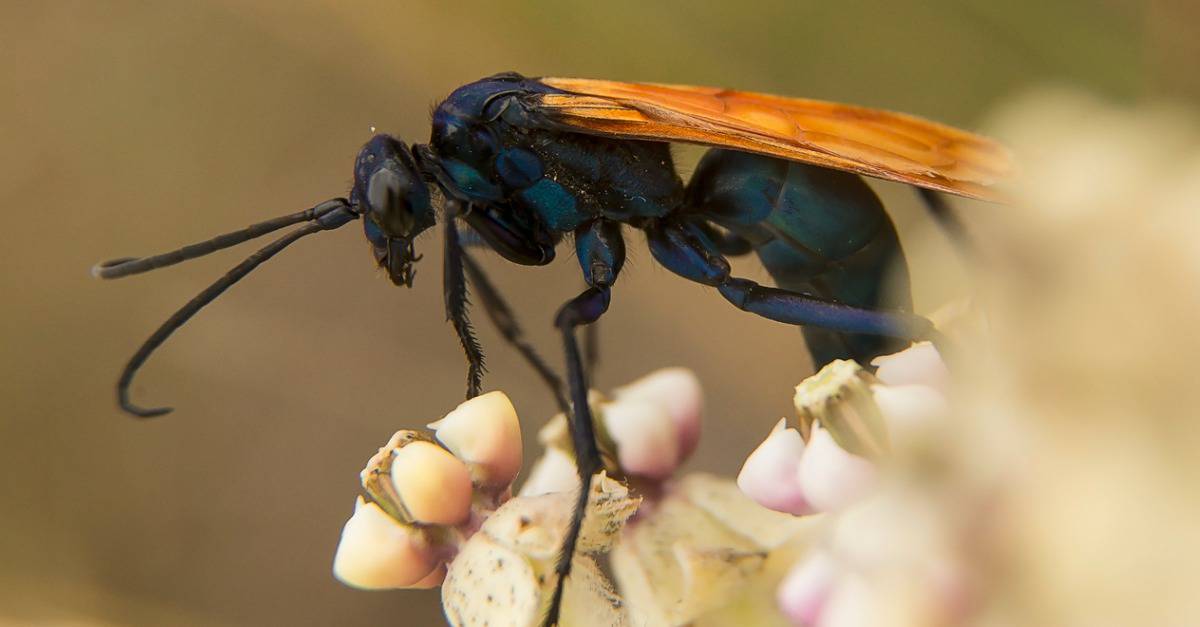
388, 193
389, 188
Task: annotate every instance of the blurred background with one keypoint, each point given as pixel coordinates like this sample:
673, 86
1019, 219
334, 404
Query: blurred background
134, 127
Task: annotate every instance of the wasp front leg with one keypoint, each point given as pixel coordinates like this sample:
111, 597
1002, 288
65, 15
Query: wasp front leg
497, 309
454, 288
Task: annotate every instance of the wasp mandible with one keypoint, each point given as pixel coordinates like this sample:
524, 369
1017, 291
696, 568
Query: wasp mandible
523, 162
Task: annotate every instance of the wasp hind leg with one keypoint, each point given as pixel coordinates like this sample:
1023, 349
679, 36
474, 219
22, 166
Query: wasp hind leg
950, 222
682, 249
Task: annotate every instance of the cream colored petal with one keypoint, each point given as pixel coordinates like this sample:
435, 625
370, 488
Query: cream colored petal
377, 552
712, 576
589, 599
433, 485
721, 499
485, 433
535, 525
490, 584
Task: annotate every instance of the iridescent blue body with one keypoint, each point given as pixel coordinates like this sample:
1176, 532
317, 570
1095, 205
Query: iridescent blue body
816, 230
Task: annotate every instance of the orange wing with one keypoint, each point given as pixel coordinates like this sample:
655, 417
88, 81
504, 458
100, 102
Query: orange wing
872, 142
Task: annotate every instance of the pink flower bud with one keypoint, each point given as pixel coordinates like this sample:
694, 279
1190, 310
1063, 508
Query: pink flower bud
771, 474
484, 432
804, 591
831, 478
678, 391
647, 444
377, 552
432, 485
919, 363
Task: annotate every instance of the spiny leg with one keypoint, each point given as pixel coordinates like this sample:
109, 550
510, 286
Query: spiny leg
503, 317
505, 321
454, 289
601, 253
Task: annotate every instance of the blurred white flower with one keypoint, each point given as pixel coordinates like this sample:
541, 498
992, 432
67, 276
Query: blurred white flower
830, 478
804, 592
855, 430
918, 364
846, 416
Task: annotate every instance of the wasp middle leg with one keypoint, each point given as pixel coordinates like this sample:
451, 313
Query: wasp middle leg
601, 254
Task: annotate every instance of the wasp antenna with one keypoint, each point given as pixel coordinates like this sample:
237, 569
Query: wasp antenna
125, 266
331, 217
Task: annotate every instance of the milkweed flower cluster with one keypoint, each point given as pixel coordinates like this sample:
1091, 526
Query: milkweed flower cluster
854, 429
847, 420
440, 508
427, 494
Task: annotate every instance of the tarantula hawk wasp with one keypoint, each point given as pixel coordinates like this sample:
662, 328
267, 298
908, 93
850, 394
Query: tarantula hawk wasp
525, 161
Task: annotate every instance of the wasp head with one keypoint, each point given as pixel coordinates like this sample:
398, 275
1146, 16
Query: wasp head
392, 198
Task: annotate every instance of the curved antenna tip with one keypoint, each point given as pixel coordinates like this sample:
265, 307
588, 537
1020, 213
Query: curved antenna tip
102, 269
140, 412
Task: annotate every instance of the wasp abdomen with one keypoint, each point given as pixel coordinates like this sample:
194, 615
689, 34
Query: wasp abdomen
816, 230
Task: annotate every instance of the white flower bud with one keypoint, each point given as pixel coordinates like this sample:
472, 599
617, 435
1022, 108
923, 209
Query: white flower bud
485, 433
433, 486
376, 552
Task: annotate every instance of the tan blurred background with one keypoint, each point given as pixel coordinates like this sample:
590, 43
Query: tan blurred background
132, 127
